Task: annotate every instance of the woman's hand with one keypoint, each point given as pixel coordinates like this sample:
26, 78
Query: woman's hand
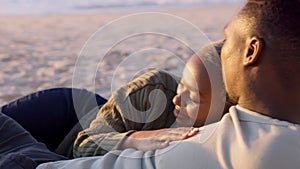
157, 139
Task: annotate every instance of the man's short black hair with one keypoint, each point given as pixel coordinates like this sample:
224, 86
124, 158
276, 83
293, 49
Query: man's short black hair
277, 21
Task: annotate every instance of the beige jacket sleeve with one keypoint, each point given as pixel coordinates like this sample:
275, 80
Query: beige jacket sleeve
143, 104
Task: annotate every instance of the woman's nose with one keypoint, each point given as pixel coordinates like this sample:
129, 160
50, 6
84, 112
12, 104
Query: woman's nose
177, 100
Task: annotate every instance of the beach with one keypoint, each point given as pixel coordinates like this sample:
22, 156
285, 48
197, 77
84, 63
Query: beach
40, 51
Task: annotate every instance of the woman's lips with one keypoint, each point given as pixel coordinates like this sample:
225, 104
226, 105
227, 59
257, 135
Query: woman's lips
176, 111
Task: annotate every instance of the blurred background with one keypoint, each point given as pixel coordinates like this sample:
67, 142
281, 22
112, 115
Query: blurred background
19, 7
42, 39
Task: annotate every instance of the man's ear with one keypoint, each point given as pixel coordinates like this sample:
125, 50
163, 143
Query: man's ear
254, 48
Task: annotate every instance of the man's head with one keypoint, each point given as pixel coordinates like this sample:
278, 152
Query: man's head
261, 49
194, 92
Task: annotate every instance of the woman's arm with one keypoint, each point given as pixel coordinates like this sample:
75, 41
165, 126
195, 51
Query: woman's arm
157, 139
104, 134
129, 110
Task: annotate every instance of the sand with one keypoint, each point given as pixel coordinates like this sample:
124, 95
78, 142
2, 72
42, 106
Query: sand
40, 52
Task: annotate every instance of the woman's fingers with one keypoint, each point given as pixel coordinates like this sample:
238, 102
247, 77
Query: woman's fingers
193, 132
177, 134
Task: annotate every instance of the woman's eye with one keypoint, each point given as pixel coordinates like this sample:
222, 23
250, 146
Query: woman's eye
194, 101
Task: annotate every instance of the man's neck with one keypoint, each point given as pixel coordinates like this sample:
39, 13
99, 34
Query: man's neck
281, 108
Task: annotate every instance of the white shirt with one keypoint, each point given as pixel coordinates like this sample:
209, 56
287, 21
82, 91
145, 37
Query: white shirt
242, 139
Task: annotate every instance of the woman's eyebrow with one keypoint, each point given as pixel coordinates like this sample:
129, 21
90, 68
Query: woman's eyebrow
190, 87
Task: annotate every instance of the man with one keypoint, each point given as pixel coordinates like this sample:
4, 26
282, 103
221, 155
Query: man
261, 61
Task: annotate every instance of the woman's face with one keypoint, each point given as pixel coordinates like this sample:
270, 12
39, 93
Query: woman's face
193, 98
